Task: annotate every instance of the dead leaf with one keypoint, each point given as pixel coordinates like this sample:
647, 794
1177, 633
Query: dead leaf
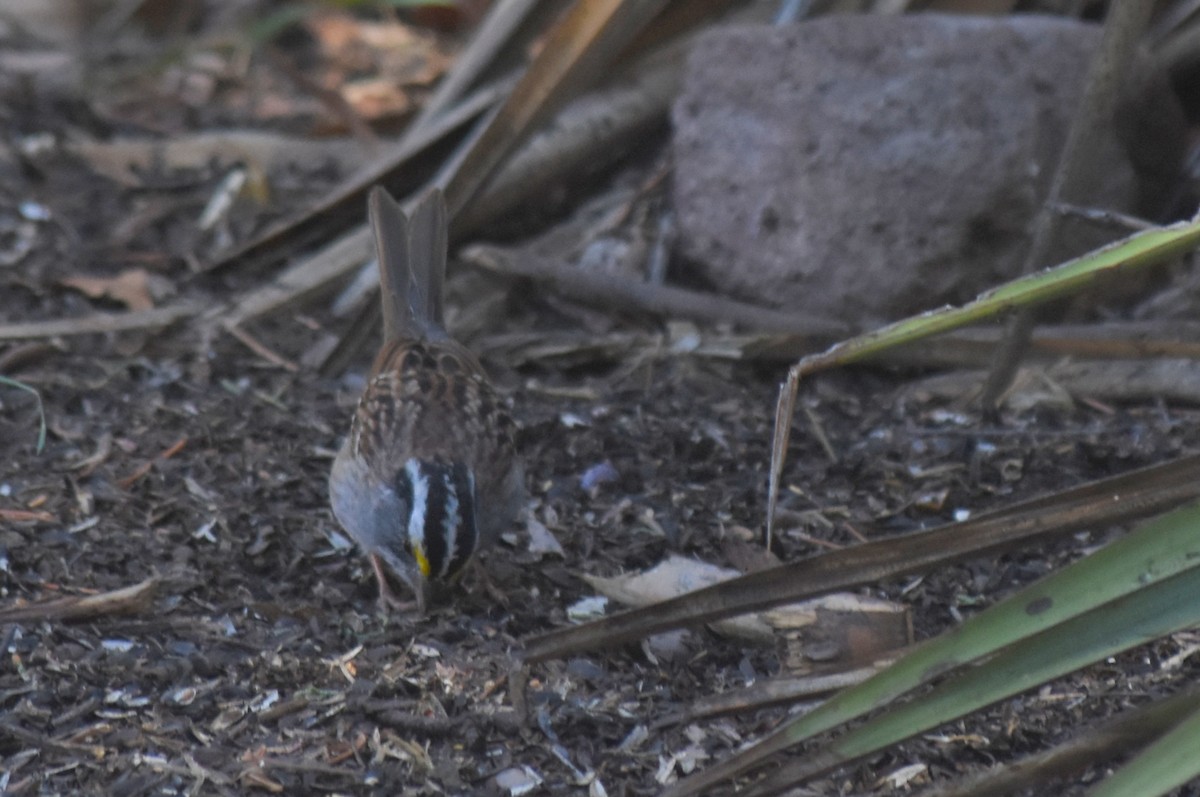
376, 99
839, 627
131, 288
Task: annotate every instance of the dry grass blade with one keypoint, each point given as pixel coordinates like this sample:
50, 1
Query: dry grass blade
99, 323
496, 33
577, 50
768, 693
18, 385
402, 168
302, 279
1137, 588
1115, 500
590, 133
785, 410
1138, 251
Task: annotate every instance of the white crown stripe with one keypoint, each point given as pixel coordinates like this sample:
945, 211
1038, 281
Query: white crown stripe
420, 500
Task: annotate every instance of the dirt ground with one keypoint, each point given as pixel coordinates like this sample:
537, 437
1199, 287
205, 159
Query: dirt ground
261, 663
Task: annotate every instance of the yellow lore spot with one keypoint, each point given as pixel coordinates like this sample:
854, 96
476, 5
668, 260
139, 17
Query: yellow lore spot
418, 553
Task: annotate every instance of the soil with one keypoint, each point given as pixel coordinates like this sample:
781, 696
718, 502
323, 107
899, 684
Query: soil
262, 662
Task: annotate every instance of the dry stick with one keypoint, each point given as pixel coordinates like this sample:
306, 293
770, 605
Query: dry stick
121, 601
399, 166
121, 158
306, 278
144, 468
1122, 30
261, 349
1171, 380
493, 35
99, 323
589, 135
1119, 499
27, 516
44, 744
592, 132
614, 293
768, 693
576, 51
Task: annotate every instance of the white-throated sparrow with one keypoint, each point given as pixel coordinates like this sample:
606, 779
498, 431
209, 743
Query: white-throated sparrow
428, 475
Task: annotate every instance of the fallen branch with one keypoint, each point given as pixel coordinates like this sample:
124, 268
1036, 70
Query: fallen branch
588, 136
614, 293
402, 167
99, 324
127, 600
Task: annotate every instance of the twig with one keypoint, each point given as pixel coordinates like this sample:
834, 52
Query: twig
494, 34
127, 600
99, 323
819, 431
26, 516
590, 134
46, 744
402, 167
578, 48
145, 467
261, 349
614, 293
1101, 216
309, 276
1122, 30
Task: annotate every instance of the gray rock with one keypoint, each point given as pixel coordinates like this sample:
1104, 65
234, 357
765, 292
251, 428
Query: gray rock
868, 167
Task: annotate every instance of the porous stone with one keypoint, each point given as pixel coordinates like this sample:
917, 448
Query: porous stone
869, 167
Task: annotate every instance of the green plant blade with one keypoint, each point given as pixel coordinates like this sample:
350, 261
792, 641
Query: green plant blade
41, 439
1161, 608
1120, 735
1135, 495
1168, 763
1138, 251
1158, 550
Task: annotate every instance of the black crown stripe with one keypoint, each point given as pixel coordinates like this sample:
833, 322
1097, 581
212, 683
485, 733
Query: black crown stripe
436, 544
467, 538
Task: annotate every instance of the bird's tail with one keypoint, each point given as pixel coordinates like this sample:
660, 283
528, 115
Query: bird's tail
412, 263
